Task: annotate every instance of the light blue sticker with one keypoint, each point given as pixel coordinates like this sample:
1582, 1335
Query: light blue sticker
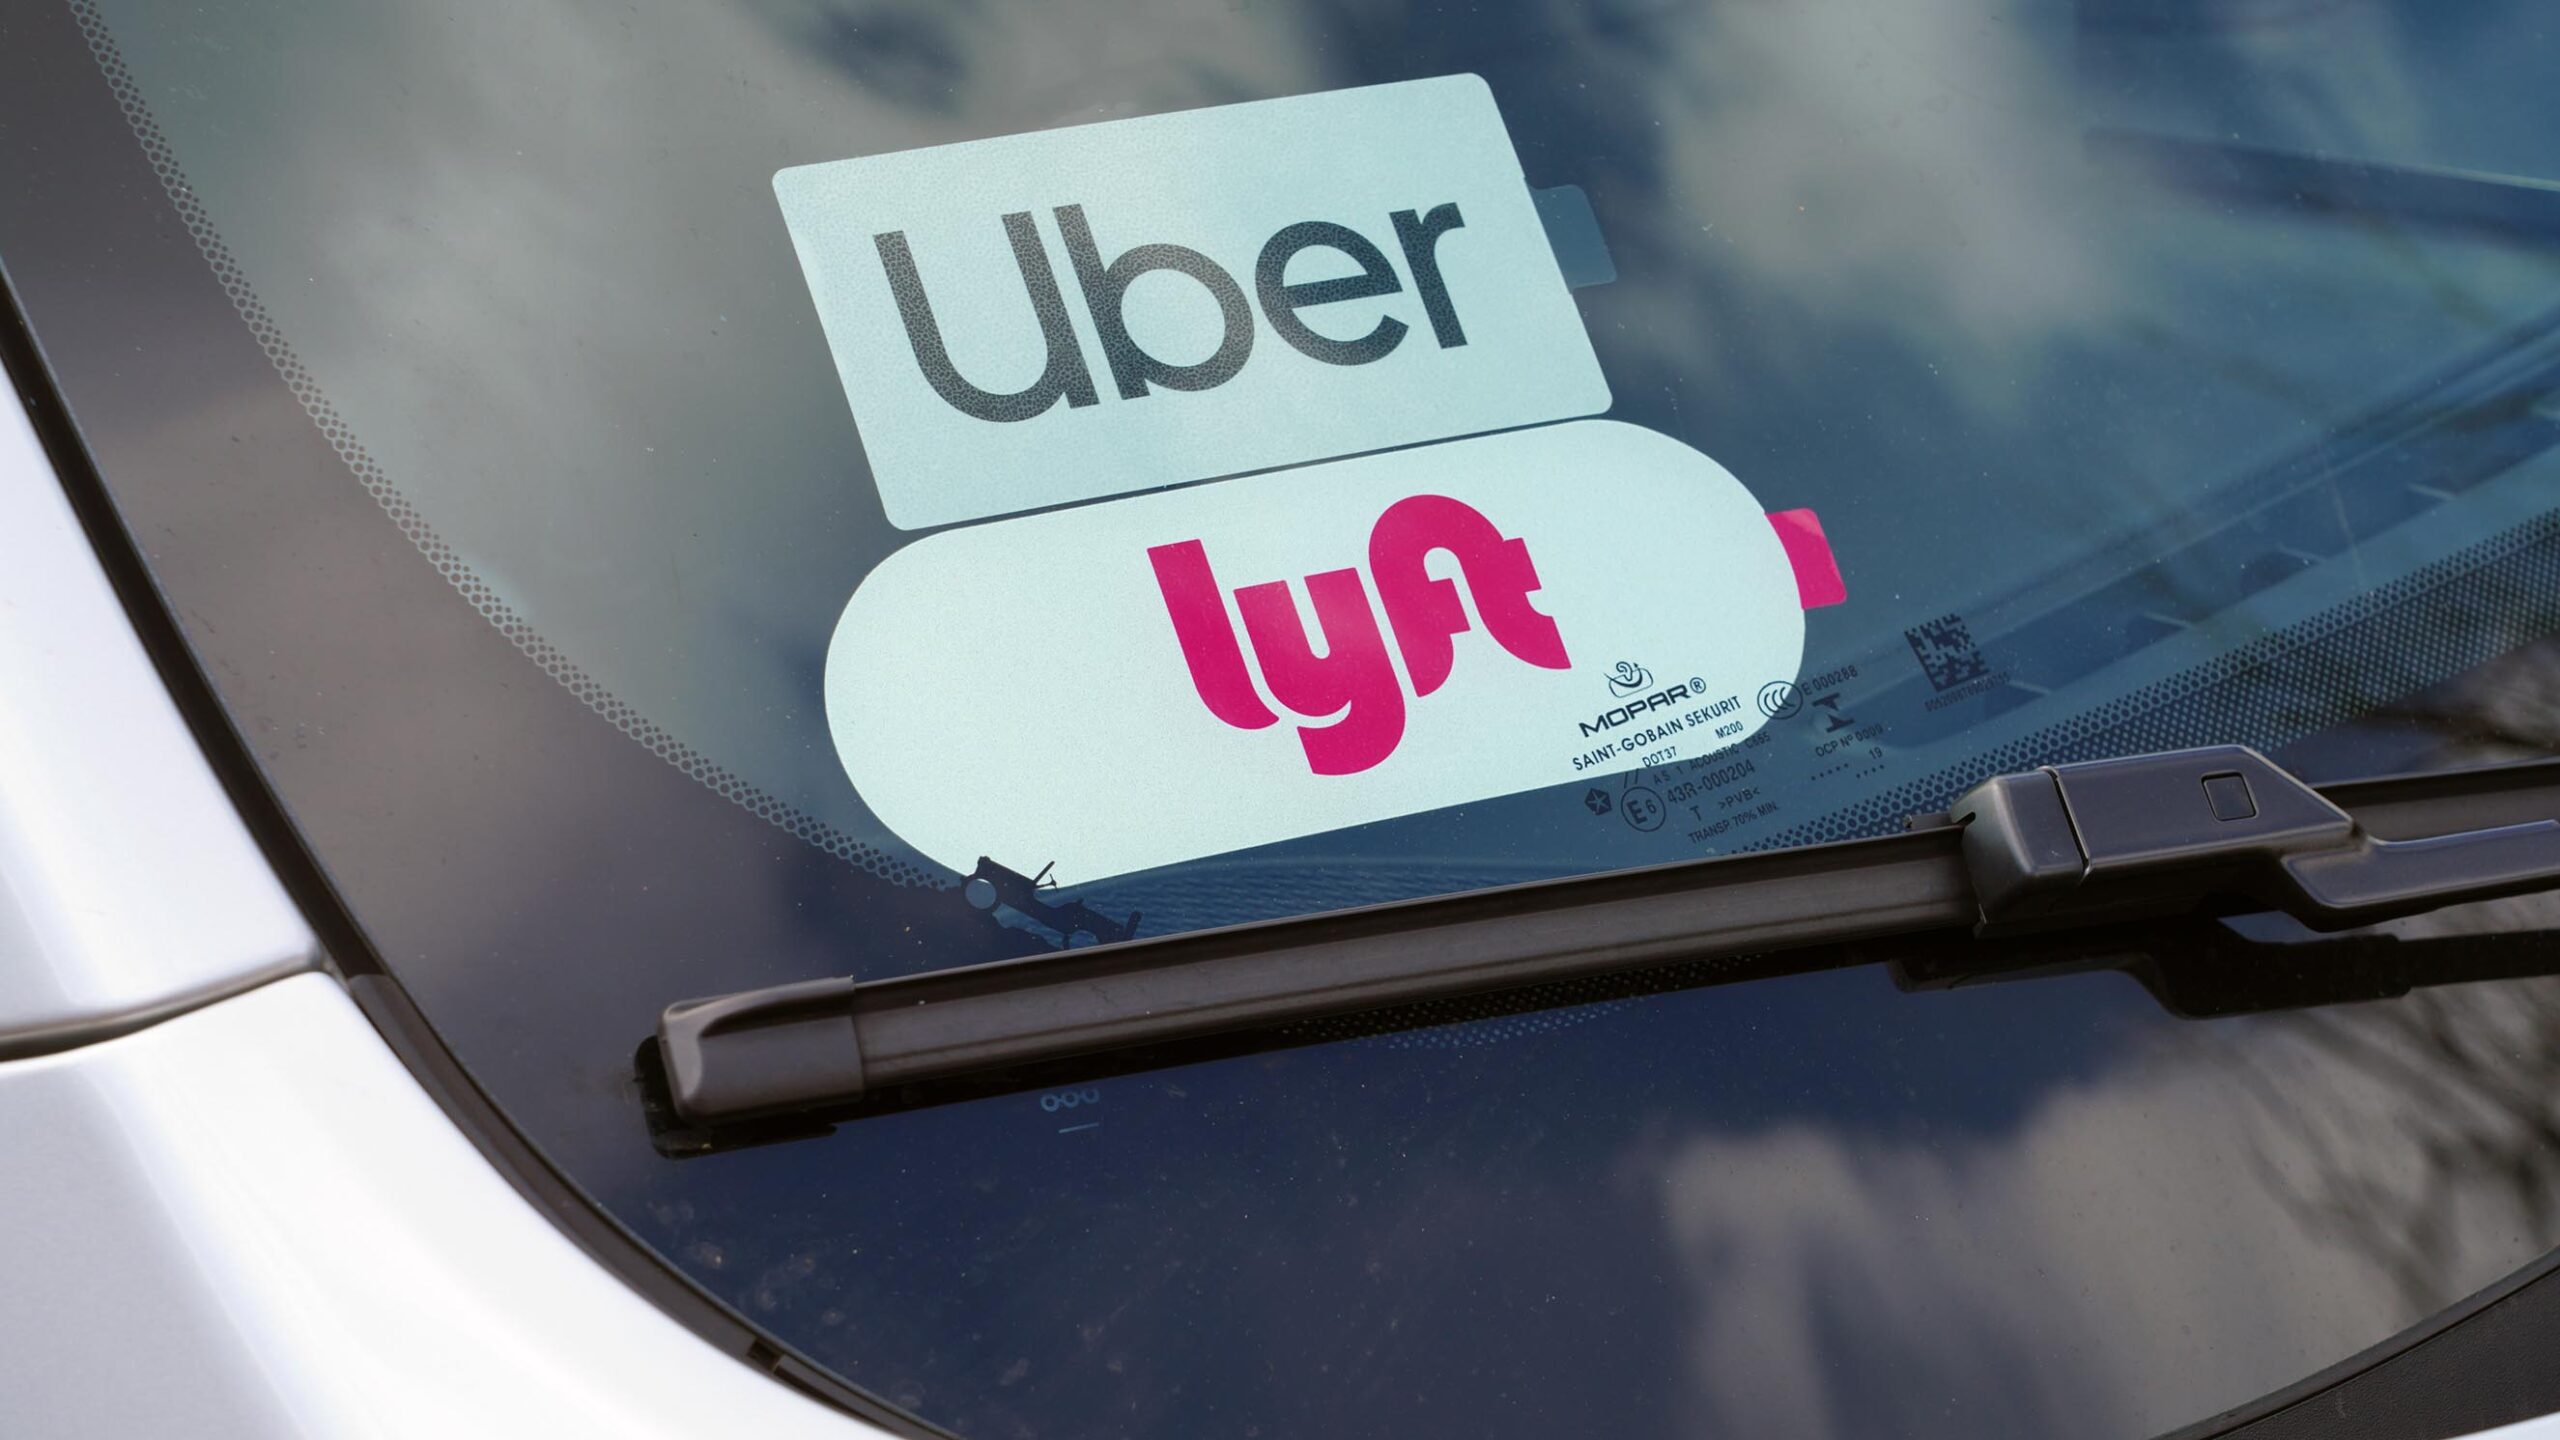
1050, 317
1324, 647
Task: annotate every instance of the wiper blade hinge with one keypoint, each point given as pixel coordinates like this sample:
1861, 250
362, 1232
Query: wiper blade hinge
2167, 834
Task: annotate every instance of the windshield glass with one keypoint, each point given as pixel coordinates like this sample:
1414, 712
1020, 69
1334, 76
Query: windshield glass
2095, 339
670, 493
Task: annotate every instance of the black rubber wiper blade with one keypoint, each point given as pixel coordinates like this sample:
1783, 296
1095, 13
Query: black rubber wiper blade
2068, 846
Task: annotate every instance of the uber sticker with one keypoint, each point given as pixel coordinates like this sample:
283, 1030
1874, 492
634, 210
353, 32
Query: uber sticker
1164, 677
1049, 317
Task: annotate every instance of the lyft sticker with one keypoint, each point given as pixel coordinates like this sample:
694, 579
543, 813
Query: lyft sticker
1169, 676
1049, 317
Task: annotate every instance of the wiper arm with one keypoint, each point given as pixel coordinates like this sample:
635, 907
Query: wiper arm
2520, 206
2094, 844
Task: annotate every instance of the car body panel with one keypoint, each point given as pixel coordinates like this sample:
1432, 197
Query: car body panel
129, 888
250, 1220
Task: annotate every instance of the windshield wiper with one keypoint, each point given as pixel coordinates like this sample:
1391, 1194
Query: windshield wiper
2103, 843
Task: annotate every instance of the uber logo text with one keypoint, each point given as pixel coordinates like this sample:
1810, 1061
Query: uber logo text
1311, 277
1105, 289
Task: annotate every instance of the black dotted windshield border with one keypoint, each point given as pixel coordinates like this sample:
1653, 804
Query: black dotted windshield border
447, 562
2428, 626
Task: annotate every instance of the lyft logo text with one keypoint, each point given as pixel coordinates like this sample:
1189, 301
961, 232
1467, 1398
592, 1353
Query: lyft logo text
1034, 319
1344, 671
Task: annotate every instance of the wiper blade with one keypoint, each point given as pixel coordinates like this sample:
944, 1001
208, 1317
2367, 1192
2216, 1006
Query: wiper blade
2101, 843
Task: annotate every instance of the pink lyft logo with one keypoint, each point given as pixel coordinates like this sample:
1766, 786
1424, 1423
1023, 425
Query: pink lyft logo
1353, 677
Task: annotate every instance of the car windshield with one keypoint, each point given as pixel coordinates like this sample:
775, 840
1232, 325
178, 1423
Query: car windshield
681, 497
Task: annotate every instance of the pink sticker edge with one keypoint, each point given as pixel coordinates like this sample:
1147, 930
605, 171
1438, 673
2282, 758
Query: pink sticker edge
1818, 581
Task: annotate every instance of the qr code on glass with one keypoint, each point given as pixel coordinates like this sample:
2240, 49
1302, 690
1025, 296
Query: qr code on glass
1945, 650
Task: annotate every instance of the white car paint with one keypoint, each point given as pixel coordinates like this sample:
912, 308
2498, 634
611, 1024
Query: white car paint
129, 888
250, 1221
